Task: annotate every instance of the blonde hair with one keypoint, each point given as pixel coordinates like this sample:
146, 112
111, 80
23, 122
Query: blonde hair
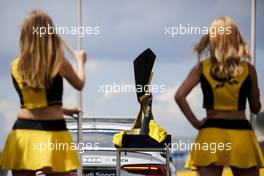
226, 48
40, 57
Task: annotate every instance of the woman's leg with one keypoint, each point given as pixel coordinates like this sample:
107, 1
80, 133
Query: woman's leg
210, 170
245, 172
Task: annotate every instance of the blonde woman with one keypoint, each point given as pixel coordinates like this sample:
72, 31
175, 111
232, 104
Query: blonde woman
37, 74
227, 80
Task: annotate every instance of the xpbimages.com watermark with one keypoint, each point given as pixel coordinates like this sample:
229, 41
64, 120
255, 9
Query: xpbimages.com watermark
62, 146
212, 147
180, 30
80, 31
114, 87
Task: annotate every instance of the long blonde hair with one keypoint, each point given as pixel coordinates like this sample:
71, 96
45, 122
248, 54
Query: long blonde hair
226, 49
40, 56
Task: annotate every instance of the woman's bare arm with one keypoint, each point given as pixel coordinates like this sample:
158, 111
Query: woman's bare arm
254, 95
77, 80
188, 84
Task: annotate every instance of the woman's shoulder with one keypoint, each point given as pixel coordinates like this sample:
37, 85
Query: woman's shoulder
15, 60
246, 62
205, 61
250, 67
14, 64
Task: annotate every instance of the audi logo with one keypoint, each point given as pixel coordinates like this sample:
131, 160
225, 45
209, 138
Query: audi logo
91, 159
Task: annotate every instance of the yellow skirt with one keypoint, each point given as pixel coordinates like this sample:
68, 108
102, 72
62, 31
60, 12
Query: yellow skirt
35, 145
222, 144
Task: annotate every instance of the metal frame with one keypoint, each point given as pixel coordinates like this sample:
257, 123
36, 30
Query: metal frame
119, 150
79, 93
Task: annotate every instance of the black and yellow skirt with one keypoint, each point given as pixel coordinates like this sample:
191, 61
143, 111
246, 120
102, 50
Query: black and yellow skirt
222, 142
34, 145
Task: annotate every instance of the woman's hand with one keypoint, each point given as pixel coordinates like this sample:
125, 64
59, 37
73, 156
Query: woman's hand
73, 112
80, 56
200, 124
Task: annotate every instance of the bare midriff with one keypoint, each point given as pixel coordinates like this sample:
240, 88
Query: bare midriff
54, 112
224, 114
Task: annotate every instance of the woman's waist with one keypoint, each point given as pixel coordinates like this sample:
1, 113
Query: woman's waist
224, 114
46, 125
48, 113
227, 123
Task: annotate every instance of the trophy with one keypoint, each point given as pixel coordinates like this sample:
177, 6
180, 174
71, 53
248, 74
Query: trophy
143, 65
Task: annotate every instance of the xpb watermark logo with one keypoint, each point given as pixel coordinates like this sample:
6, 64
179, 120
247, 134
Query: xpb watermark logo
80, 31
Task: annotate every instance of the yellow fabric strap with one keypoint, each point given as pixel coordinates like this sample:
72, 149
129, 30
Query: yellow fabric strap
117, 139
156, 132
31, 98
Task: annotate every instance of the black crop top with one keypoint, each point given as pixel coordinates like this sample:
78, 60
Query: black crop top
31, 98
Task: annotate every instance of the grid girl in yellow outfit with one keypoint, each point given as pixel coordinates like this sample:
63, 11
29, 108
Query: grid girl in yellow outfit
37, 75
227, 80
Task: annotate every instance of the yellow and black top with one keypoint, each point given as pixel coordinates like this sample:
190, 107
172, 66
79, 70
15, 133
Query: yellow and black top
31, 98
228, 93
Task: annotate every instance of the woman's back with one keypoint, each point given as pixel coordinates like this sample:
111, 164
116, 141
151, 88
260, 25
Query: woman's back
38, 103
225, 96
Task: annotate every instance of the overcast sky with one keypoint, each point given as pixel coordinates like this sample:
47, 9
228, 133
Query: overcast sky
126, 29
